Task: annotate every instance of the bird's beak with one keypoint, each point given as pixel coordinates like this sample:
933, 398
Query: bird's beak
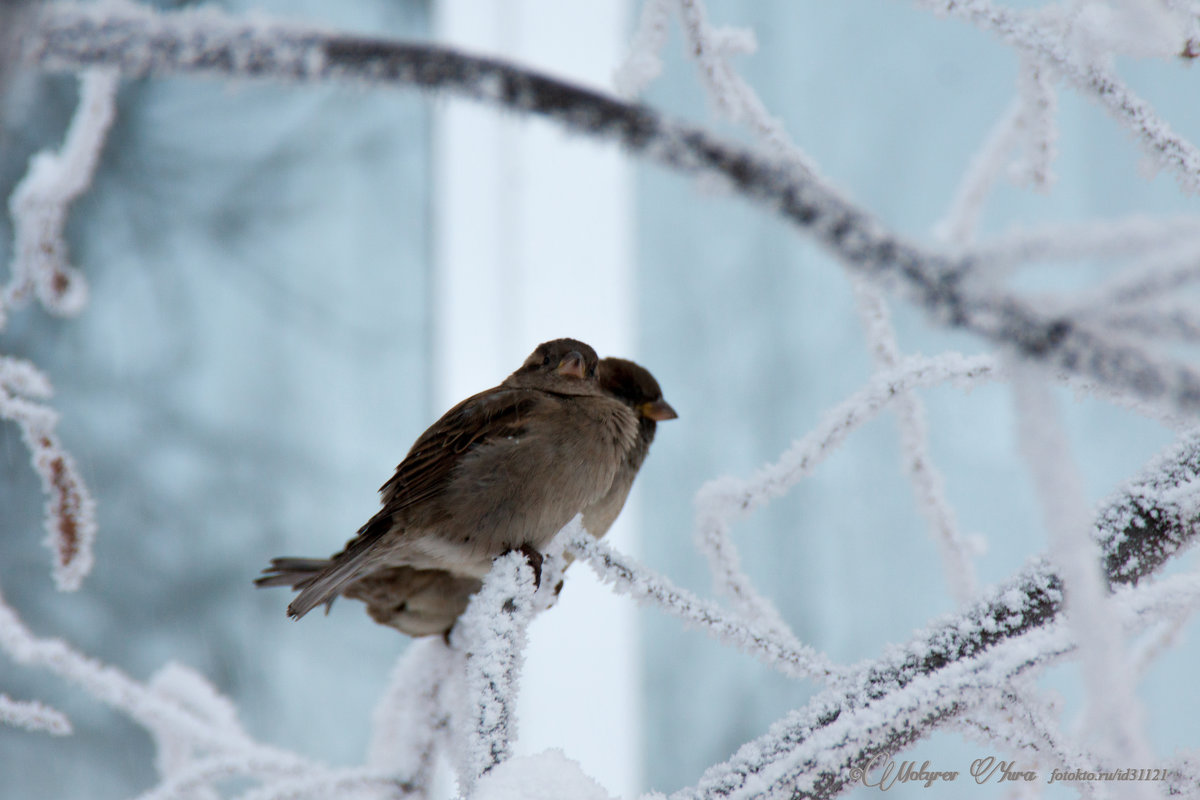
658, 410
572, 365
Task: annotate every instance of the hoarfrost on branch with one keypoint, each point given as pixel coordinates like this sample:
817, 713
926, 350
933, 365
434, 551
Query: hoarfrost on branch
970, 671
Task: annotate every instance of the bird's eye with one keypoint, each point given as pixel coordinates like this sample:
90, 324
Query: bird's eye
592, 371
546, 361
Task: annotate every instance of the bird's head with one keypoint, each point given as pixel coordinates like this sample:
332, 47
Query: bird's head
633, 385
567, 366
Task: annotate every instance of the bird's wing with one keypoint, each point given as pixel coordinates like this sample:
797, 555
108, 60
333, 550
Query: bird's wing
423, 475
488, 416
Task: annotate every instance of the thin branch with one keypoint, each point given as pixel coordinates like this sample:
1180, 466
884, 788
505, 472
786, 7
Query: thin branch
626, 576
33, 716
149, 708
411, 719
1031, 35
1133, 236
926, 479
70, 516
711, 49
40, 202
829, 759
799, 759
1139, 531
138, 42
334, 783
724, 499
721, 502
1038, 104
1020, 722
1110, 702
957, 227
492, 631
642, 64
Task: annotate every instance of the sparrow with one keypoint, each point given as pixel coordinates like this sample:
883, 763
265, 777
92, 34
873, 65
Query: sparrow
634, 386
424, 602
503, 470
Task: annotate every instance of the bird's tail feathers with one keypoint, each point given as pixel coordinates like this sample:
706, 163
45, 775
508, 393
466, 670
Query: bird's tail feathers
291, 572
324, 585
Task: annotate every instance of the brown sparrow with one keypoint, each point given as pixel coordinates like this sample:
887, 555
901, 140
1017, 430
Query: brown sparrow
422, 602
503, 470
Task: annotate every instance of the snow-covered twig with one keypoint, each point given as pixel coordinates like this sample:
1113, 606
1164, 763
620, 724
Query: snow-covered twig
736, 100
178, 758
70, 511
1112, 705
39, 203
198, 778
923, 474
642, 63
721, 502
1139, 236
411, 720
957, 227
645, 586
1028, 32
1038, 105
1139, 530
1149, 282
33, 716
1174, 320
139, 42
1018, 721
818, 751
200, 741
492, 632
149, 708
733, 97
1156, 642
830, 757
333, 783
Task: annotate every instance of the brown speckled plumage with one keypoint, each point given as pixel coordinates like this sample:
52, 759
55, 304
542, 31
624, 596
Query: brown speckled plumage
505, 468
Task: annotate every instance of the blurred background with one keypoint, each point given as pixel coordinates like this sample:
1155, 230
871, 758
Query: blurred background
289, 283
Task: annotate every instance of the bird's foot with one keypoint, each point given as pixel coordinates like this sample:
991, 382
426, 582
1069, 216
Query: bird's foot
534, 558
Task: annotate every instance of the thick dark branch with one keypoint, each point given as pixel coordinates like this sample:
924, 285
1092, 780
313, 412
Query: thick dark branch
139, 42
1138, 531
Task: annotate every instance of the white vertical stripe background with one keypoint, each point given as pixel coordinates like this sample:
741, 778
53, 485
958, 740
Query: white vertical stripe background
533, 240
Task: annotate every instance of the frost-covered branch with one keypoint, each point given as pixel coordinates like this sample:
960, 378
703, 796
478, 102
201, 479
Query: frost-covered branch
957, 226
411, 720
199, 740
492, 631
139, 42
1021, 723
1133, 236
40, 202
926, 478
70, 511
628, 577
818, 751
825, 760
1111, 703
33, 716
1146, 524
642, 63
1038, 105
723, 501
1031, 34
712, 48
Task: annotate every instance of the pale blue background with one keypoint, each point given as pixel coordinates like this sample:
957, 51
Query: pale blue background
254, 361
